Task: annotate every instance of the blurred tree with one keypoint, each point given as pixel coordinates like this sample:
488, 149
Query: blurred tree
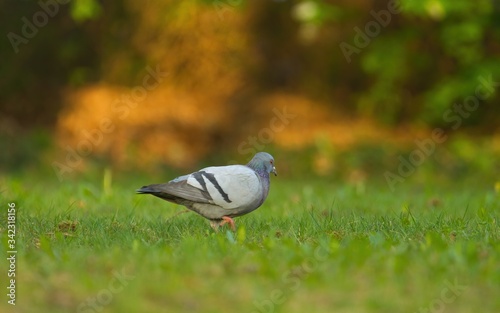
43, 52
414, 65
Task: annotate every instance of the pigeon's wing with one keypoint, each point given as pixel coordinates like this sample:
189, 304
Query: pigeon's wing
178, 190
229, 187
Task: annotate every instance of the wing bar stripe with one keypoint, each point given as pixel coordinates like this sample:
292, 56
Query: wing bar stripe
214, 181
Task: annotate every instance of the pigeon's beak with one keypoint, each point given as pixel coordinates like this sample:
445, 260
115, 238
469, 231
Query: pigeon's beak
274, 171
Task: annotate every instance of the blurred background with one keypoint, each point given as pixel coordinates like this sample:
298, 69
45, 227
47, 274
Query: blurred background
340, 89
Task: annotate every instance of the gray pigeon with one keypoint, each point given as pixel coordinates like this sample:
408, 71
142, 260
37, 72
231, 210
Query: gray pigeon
220, 193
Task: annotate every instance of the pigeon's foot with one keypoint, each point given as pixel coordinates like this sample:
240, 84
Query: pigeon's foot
230, 221
224, 220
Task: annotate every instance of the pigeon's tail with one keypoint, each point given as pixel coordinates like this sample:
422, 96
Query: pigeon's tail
160, 191
147, 190
157, 191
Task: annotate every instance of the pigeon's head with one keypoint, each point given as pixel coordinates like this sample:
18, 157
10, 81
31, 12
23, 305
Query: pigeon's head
263, 161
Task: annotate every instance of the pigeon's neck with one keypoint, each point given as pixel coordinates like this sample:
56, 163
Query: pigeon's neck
254, 165
260, 170
263, 175
265, 180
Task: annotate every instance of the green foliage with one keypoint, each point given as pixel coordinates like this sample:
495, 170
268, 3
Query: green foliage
409, 66
82, 10
438, 51
24, 151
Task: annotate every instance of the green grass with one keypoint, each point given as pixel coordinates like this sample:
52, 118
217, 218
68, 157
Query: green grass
312, 247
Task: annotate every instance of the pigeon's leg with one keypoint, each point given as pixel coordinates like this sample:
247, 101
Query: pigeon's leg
230, 221
215, 225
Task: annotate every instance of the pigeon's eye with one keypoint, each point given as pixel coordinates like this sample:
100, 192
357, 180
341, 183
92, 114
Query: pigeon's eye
271, 161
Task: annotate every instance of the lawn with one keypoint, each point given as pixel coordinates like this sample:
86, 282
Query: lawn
314, 246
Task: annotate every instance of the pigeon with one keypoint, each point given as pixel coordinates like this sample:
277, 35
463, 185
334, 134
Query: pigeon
220, 193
